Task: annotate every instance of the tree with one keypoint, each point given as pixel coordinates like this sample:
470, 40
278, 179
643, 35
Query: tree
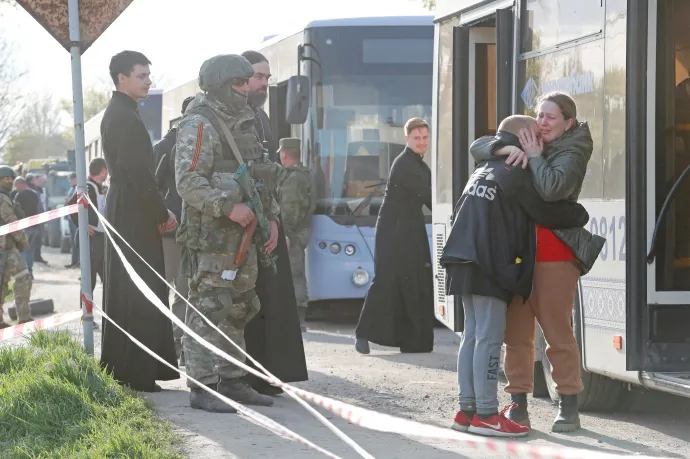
429, 4
95, 100
10, 99
40, 132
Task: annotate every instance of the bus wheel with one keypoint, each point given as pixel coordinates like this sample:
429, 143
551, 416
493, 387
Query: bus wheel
600, 392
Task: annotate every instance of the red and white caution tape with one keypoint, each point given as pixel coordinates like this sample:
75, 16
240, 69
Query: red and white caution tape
40, 324
38, 219
359, 416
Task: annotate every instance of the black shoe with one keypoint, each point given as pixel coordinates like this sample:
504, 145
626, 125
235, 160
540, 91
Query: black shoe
362, 346
517, 412
241, 392
201, 400
42, 261
265, 388
568, 418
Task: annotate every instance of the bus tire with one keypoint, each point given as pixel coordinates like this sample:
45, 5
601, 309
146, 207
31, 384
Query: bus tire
600, 393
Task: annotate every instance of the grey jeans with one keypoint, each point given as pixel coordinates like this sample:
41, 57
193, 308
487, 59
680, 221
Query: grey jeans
479, 358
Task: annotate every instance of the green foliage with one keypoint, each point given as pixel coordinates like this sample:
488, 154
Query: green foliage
56, 401
429, 4
95, 100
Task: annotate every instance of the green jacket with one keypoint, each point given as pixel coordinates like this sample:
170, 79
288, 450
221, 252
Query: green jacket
558, 175
296, 201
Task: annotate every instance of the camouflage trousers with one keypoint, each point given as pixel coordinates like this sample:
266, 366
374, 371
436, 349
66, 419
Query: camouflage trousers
230, 305
299, 279
15, 266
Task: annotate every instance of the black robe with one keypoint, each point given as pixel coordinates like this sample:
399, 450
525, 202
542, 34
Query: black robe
273, 337
399, 308
134, 207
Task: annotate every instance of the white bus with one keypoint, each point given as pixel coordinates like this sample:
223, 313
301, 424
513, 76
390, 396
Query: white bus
626, 63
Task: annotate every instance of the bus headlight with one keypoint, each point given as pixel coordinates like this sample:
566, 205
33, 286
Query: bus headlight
335, 248
360, 277
349, 249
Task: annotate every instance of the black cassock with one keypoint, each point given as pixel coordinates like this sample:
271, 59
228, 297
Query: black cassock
399, 307
273, 337
134, 207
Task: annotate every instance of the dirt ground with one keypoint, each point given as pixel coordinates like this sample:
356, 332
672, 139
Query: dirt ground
419, 387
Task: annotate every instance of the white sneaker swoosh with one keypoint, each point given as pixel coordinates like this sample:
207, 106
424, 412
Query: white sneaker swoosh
496, 426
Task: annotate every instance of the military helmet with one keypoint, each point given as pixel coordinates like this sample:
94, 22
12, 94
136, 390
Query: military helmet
218, 70
6, 171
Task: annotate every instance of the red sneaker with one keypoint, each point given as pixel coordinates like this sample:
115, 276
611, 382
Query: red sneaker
462, 422
497, 425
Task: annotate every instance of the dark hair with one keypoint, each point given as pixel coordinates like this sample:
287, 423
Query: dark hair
96, 166
186, 102
565, 103
254, 57
124, 62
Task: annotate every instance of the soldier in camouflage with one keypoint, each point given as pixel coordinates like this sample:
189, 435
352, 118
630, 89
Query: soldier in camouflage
12, 263
214, 218
296, 198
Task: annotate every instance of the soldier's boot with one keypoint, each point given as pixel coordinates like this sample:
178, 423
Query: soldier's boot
199, 399
240, 391
22, 293
517, 411
568, 418
3, 324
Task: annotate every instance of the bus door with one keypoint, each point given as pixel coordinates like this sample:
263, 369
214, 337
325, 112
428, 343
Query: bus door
659, 328
478, 78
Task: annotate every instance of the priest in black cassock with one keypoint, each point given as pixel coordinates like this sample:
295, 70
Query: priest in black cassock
399, 307
137, 211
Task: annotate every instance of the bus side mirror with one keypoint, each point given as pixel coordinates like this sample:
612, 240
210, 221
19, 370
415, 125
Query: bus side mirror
297, 101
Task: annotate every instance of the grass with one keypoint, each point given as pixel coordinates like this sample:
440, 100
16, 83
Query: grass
56, 402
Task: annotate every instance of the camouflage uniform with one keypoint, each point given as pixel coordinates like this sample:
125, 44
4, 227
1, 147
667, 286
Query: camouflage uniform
296, 197
204, 167
14, 265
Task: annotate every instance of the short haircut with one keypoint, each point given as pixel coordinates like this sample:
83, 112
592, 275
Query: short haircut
19, 181
254, 57
29, 178
513, 124
186, 102
124, 62
415, 123
96, 166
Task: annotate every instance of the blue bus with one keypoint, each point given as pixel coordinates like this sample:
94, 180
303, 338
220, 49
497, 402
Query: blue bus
356, 81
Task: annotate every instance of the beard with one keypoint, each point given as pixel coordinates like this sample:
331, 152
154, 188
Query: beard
257, 99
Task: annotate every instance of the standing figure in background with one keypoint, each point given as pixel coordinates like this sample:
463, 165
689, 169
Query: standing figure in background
273, 336
28, 201
12, 263
74, 246
136, 210
399, 308
164, 153
297, 199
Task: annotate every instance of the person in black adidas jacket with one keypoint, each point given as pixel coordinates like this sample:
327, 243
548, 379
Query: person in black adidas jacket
489, 258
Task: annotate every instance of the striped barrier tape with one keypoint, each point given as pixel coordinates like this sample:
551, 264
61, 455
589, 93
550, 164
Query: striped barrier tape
40, 324
359, 416
38, 219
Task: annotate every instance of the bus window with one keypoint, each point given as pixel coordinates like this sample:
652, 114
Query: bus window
673, 146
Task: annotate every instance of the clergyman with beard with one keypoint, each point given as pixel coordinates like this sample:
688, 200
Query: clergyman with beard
273, 336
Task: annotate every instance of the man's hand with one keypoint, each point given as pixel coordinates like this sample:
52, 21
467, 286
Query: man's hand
92, 230
169, 225
514, 154
272, 243
241, 214
287, 242
531, 143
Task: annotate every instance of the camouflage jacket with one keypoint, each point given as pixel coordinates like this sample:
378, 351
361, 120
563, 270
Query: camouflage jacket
18, 239
204, 177
296, 198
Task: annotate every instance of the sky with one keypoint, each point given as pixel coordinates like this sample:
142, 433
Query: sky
176, 36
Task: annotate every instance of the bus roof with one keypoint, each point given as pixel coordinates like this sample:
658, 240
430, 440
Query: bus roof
367, 21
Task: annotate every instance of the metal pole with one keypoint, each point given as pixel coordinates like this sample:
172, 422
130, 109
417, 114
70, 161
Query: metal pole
80, 157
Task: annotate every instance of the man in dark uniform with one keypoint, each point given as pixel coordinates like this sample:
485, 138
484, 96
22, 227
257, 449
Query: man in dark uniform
273, 336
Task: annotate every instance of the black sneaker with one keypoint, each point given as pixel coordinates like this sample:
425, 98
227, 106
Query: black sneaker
265, 388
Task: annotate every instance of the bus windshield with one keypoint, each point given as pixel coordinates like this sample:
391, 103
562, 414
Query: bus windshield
361, 109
